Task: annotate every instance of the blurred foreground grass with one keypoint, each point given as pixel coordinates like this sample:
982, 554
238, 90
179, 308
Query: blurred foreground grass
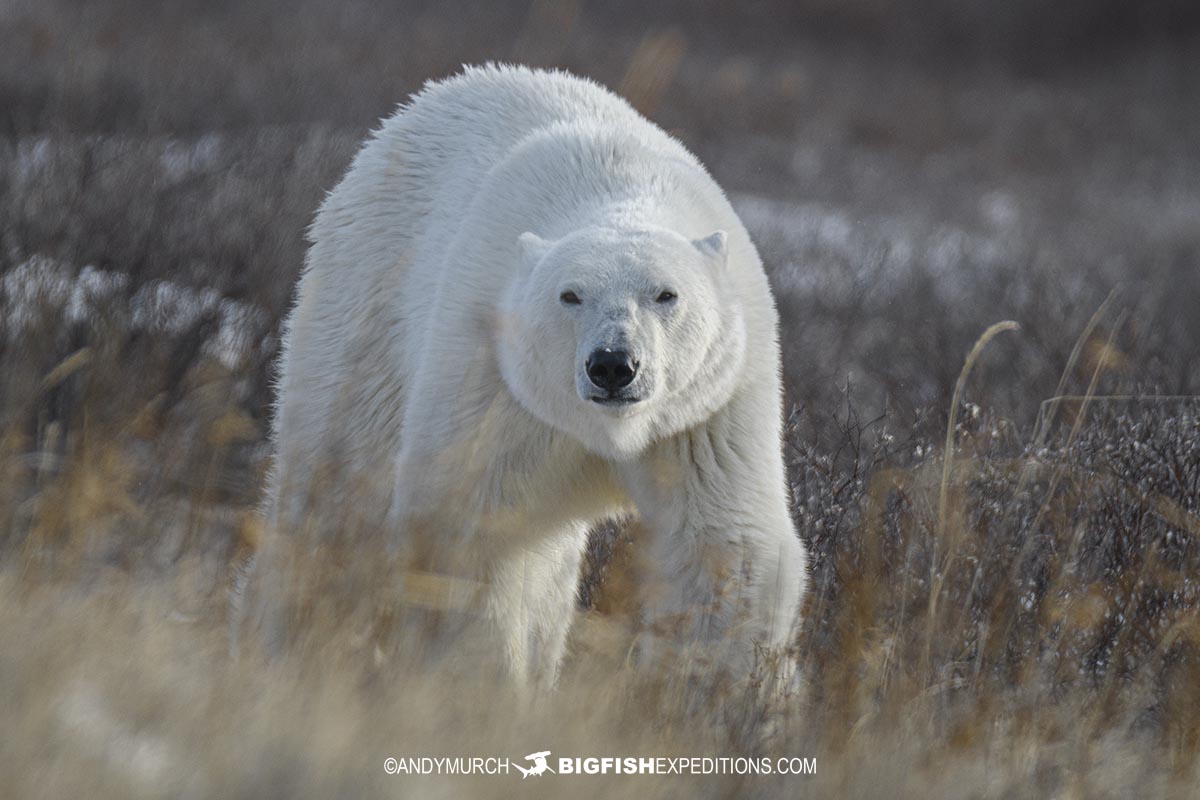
1023, 623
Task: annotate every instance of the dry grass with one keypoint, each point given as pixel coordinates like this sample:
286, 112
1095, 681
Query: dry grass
1020, 625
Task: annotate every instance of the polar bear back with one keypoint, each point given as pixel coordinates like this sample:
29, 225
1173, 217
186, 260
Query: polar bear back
429, 159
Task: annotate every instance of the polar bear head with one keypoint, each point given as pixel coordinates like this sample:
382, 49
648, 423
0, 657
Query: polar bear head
620, 336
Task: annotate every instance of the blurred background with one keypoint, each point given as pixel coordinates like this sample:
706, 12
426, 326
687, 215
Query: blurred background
913, 171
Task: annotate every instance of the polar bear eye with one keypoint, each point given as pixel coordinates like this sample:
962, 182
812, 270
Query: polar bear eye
570, 298
666, 296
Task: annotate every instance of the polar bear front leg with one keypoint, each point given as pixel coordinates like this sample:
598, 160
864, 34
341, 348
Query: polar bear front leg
727, 569
531, 602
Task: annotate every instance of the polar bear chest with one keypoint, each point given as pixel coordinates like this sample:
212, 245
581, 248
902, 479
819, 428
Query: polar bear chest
507, 474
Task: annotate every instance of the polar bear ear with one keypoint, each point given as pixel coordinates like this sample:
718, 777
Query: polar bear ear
714, 246
533, 247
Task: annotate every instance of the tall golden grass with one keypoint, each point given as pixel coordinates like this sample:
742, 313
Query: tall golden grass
982, 623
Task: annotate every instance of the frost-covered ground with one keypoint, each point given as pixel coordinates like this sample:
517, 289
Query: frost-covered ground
1023, 622
40, 290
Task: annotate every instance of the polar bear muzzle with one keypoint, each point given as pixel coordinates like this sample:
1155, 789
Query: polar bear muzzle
610, 370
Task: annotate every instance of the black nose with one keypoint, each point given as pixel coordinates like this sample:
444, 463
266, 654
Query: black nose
611, 369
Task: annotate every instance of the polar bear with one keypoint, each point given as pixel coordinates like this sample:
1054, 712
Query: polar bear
527, 309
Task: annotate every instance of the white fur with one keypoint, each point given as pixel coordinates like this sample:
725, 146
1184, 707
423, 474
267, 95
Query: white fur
429, 344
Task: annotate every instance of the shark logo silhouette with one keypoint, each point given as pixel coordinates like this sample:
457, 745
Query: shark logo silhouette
540, 767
